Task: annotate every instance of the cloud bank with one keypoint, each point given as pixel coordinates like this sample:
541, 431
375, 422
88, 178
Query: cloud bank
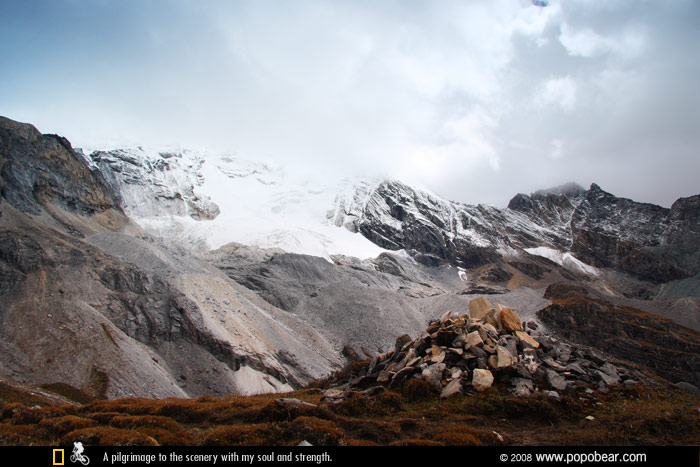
474, 100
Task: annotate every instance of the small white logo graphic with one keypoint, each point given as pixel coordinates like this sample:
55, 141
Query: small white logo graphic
77, 455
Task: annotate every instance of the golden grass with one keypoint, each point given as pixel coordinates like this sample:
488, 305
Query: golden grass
624, 416
316, 431
136, 421
59, 426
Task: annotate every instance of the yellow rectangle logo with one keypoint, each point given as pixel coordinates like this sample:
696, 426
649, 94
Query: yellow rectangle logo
62, 454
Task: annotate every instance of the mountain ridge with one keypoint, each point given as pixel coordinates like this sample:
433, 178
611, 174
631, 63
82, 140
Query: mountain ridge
394, 216
117, 306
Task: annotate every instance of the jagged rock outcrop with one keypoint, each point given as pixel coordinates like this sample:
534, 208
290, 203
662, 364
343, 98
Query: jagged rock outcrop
668, 349
396, 216
551, 210
433, 230
155, 184
682, 233
622, 234
647, 241
40, 171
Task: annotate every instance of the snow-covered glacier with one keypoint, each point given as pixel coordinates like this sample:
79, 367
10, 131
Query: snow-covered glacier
200, 199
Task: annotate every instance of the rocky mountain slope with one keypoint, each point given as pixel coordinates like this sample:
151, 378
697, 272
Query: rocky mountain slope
93, 301
122, 272
623, 248
88, 300
579, 229
647, 241
170, 179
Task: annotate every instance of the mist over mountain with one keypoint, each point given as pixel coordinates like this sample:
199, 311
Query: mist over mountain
476, 101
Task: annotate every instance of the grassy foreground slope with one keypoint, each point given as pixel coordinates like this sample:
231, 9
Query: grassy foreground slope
660, 415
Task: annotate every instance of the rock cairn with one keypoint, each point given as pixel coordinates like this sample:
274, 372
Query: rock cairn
471, 352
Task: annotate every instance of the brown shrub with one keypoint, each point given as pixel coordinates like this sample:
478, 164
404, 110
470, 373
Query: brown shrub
134, 421
134, 406
262, 434
642, 417
167, 437
460, 433
390, 401
368, 429
408, 424
55, 411
359, 405
207, 400
103, 418
354, 405
234, 415
316, 431
187, 411
222, 411
416, 442
504, 405
416, 389
457, 438
108, 436
17, 434
18, 414
273, 412
181, 410
9, 410
62, 425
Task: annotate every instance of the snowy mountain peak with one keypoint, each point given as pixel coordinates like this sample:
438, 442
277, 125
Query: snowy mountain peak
152, 183
169, 192
203, 200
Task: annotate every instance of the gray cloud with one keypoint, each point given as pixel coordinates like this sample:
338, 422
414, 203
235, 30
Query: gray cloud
476, 101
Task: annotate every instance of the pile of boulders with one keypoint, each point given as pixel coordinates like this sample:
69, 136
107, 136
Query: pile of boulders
471, 352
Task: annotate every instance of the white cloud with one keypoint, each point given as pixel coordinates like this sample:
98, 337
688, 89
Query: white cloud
532, 22
585, 42
557, 149
464, 146
471, 97
557, 93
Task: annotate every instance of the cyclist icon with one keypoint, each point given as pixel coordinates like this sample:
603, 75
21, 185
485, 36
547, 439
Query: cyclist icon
77, 455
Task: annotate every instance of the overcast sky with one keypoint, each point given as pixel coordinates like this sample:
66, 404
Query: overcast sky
476, 100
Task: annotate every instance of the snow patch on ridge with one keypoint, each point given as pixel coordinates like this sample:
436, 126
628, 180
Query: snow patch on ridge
564, 259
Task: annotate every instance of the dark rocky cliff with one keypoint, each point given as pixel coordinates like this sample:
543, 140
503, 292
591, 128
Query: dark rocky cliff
669, 350
40, 169
647, 241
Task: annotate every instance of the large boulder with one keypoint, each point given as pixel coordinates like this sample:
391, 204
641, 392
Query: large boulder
510, 320
454, 387
479, 307
433, 375
482, 380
